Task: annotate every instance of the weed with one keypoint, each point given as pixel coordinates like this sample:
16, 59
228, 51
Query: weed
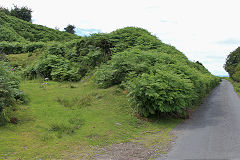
64, 102
83, 101
47, 137
117, 91
77, 102
72, 86
76, 122
61, 128
66, 128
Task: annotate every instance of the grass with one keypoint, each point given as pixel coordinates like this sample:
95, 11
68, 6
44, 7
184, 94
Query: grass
22, 60
235, 84
71, 120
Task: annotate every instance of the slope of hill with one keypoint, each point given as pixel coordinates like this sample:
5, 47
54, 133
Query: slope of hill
70, 120
13, 29
160, 78
130, 57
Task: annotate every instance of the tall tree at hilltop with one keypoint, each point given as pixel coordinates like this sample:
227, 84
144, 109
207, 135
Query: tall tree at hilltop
23, 13
70, 29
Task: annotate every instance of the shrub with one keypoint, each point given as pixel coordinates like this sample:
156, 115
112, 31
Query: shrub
161, 92
131, 63
20, 47
157, 82
53, 67
32, 46
9, 92
11, 48
8, 34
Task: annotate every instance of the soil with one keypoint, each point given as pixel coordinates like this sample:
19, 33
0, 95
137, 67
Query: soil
125, 151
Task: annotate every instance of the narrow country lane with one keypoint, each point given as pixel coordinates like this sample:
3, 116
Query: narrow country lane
213, 131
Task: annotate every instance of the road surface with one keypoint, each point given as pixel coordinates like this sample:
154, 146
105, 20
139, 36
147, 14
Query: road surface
213, 130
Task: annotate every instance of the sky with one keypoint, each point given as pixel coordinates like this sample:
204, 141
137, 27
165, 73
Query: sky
204, 30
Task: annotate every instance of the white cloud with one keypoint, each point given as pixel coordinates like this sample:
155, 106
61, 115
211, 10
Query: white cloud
195, 27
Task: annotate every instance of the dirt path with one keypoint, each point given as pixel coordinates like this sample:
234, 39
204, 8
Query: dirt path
213, 131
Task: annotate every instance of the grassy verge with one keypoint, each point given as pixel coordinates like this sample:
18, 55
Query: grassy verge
235, 84
71, 120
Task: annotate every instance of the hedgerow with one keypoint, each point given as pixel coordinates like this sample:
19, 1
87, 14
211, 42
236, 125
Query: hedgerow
20, 47
157, 82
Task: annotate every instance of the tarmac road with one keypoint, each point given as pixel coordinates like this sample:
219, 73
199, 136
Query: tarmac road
213, 130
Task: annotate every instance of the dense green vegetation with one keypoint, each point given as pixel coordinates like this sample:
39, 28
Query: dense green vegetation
232, 65
23, 13
13, 29
70, 29
9, 93
87, 92
159, 78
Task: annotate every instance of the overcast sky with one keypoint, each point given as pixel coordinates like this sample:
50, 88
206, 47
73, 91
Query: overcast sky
204, 30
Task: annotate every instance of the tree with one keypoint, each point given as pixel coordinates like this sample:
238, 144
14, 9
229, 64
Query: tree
23, 13
4, 10
70, 29
232, 61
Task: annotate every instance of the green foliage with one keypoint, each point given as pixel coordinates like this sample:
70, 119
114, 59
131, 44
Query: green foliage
9, 34
23, 13
9, 92
15, 29
70, 29
236, 74
161, 92
129, 57
20, 61
129, 37
232, 64
157, 82
20, 47
5, 10
54, 67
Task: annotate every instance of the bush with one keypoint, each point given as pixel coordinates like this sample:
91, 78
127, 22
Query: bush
11, 48
131, 63
8, 34
20, 47
53, 67
32, 46
9, 92
161, 92
157, 82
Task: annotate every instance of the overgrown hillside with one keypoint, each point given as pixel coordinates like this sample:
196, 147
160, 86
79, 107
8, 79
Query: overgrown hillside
160, 79
89, 92
13, 29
